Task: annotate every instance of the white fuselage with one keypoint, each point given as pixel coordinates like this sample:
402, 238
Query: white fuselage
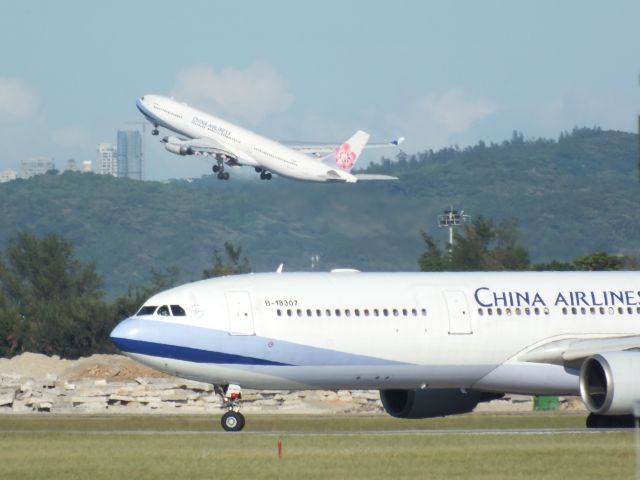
381, 330
250, 148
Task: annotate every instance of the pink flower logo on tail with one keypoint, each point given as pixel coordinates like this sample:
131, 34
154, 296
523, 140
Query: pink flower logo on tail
345, 157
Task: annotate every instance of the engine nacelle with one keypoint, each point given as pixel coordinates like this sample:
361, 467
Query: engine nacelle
609, 382
172, 144
428, 403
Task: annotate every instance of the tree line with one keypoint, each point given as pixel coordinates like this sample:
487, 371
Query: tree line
53, 303
487, 245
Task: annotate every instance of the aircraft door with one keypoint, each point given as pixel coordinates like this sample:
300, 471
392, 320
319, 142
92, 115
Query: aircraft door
459, 315
240, 313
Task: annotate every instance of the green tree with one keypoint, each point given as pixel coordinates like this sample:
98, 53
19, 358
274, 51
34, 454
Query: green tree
483, 245
233, 263
599, 261
51, 301
433, 259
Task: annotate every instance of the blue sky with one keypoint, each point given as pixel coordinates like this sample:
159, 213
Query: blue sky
440, 73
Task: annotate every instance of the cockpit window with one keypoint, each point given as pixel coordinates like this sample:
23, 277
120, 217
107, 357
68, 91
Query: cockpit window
163, 311
146, 310
178, 311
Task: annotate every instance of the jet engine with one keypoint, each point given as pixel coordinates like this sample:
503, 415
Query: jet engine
609, 382
173, 145
428, 403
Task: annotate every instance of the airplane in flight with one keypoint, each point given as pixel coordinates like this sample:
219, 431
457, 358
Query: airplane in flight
199, 133
434, 344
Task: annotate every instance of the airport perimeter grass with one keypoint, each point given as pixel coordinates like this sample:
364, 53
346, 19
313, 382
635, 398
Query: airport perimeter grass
44, 446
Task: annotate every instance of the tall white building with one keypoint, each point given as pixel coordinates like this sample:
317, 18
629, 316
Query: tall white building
107, 159
36, 166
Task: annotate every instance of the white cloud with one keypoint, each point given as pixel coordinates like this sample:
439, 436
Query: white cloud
18, 100
437, 121
456, 110
249, 94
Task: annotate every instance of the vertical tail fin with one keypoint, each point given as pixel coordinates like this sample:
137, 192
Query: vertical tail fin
346, 155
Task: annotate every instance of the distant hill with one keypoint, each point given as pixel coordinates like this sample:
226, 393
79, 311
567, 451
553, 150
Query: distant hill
574, 195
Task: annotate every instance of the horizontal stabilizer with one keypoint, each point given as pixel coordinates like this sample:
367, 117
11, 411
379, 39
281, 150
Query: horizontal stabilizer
371, 176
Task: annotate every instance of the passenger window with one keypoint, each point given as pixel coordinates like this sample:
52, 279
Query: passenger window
498, 311
178, 311
318, 312
163, 311
309, 313
328, 312
404, 312
376, 313
366, 312
518, 311
347, 312
546, 310
601, 310
424, 312
414, 312
527, 311
592, 310
395, 312
337, 312
357, 312
480, 312
385, 312
147, 310
279, 312
564, 310
288, 312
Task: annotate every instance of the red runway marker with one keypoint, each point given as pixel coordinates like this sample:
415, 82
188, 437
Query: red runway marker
279, 449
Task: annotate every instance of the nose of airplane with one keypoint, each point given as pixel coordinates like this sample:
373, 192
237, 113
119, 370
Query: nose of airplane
125, 334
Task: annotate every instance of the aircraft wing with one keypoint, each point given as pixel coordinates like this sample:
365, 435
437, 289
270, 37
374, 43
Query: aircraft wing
208, 147
321, 149
572, 351
372, 176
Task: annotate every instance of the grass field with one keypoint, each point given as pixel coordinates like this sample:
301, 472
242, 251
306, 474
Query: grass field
154, 447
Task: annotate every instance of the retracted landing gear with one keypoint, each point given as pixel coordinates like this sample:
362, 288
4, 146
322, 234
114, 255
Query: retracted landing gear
219, 168
232, 420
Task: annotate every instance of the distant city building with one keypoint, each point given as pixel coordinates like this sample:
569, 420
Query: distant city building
37, 166
71, 165
130, 154
107, 159
87, 166
8, 175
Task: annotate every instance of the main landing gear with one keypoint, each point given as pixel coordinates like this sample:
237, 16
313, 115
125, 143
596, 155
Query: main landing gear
264, 175
610, 421
155, 131
219, 168
232, 420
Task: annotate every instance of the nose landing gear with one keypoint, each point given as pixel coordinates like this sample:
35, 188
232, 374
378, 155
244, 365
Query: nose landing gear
232, 420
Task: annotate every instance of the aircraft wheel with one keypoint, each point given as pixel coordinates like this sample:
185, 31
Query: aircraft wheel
225, 175
258, 169
215, 168
220, 175
232, 421
268, 176
155, 131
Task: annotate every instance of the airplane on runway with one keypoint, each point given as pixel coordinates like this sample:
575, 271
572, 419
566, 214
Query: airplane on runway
434, 344
202, 134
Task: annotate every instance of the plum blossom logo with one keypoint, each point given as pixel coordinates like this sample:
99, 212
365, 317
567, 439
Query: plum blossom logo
345, 157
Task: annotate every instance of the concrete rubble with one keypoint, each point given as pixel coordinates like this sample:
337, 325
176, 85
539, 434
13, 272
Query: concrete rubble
104, 384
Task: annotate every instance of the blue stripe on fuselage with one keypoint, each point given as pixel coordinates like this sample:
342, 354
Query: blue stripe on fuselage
187, 354
270, 351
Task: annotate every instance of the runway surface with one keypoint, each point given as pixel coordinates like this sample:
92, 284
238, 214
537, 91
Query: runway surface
426, 433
